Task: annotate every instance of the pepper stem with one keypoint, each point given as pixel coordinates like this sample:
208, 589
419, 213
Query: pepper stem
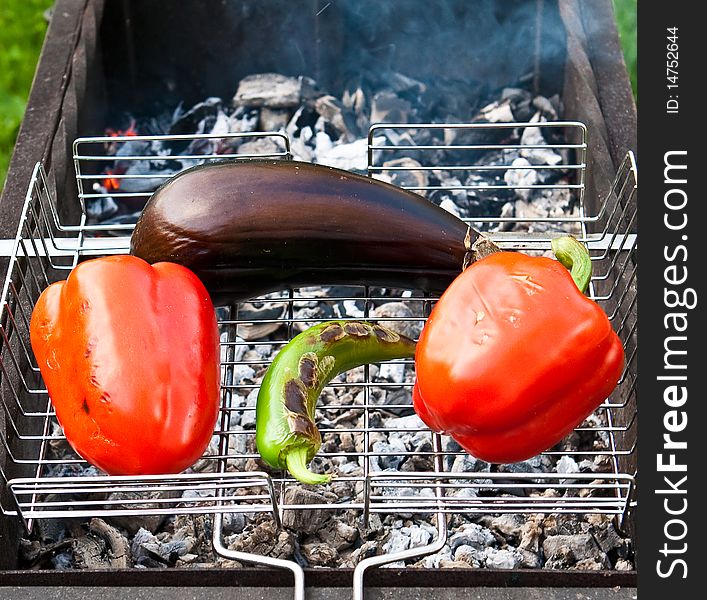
574, 255
296, 460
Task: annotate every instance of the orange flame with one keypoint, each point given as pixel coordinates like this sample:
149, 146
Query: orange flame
113, 183
119, 132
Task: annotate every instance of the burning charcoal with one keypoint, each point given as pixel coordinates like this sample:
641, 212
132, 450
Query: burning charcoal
274, 119
418, 462
338, 116
411, 177
466, 463
497, 112
305, 117
138, 184
390, 454
259, 319
37, 555
397, 541
484, 201
403, 85
508, 211
434, 561
100, 209
125, 500
355, 100
519, 177
243, 120
509, 525
104, 547
451, 189
299, 147
406, 494
393, 372
304, 520
188, 122
366, 550
388, 107
167, 550
623, 565
530, 533
398, 402
532, 136
548, 204
562, 551
273, 90
352, 308
233, 523
450, 100
520, 101
412, 427
546, 107
505, 558
322, 142
567, 465
265, 539
530, 560
604, 533
247, 406
350, 157
449, 205
221, 125
470, 556
320, 555
261, 146
472, 534
338, 535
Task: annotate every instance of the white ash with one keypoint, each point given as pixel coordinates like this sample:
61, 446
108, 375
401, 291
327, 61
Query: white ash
521, 177
505, 558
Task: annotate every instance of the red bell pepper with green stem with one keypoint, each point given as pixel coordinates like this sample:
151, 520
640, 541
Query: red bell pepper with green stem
130, 356
514, 355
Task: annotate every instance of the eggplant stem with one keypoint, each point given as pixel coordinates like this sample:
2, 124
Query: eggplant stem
574, 256
296, 460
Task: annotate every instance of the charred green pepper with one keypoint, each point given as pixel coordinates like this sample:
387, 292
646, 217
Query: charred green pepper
286, 435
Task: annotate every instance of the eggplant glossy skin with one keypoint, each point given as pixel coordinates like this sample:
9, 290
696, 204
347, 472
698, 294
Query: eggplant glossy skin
250, 227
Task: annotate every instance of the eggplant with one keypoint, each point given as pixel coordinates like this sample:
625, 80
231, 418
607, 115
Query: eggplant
249, 227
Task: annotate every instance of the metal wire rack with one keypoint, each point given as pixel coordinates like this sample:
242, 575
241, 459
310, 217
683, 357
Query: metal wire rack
415, 471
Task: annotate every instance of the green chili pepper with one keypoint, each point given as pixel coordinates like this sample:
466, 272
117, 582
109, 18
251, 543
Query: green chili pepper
286, 435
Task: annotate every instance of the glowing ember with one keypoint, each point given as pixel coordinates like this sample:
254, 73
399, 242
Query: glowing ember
113, 183
119, 132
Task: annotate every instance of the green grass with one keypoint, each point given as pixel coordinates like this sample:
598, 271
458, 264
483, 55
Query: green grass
22, 29
626, 23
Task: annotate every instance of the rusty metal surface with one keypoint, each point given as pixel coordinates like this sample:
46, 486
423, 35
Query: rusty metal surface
248, 577
257, 593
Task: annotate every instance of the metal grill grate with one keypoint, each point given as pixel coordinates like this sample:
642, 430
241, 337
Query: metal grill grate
42, 479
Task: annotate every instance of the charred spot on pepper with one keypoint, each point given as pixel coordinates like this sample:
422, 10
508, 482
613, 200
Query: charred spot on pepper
302, 425
386, 335
357, 329
295, 397
85, 407
307, 368
332, 333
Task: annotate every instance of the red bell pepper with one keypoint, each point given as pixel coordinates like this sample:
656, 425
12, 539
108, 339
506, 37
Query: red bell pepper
514, 355
129, 353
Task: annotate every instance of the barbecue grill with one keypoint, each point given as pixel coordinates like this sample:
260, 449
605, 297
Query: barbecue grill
50, 232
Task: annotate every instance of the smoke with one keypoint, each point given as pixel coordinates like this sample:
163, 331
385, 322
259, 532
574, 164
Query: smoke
199, 49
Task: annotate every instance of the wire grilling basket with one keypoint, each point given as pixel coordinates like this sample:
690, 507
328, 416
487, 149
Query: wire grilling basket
420, 472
